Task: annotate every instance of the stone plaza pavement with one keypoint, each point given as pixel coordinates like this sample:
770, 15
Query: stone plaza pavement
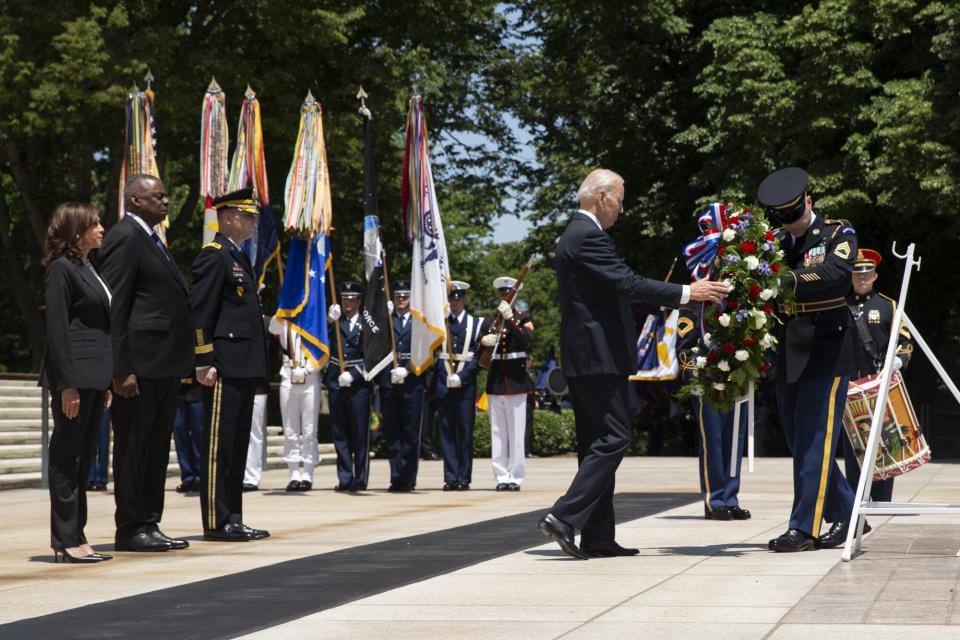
693, 579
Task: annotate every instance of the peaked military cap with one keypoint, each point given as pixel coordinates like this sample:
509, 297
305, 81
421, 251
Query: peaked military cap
402, 288
867, 260
351, 289
782, 194
505, 283
458, 289
241, 199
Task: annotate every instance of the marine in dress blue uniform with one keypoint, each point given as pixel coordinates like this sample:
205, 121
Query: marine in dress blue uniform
718, 489
403, 401
816, 357
349, 393
872, 315
457, 390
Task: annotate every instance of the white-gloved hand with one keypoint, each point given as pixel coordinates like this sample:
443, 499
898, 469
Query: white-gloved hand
489, 340
333, 312
389, 306
897, 363
505, 310
453, 381
298, 375
276, 326
345, 379
398, 375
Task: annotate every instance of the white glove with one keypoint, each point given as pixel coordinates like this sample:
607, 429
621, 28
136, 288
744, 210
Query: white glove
334, 312
489, 340
276, 326
345, 379
298, 375
389, 306
505, 310
453, 381
897, 363
398, 375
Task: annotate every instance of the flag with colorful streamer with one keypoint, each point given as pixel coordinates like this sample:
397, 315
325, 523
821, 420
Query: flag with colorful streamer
309, 207
140, 141
430, 272
214, 163
303, 304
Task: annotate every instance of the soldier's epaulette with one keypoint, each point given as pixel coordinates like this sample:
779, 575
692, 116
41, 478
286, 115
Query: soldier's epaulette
892, 301
212, 245
843, 226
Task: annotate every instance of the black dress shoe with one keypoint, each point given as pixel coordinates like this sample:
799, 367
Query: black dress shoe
255, 534
513, 486
247, 486
607, 550
356, 486
196, 486
175, 543
89, 487
185, 487
503, 486
342, 487
293, 485
400, 488
142, 541
792, 540
451, 486
837, 535
739, 514
99, 486
306, 485
718, 513
463, 486
228, 533
561, 533
431, 455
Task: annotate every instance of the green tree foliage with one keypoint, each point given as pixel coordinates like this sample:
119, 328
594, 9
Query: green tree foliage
66, 68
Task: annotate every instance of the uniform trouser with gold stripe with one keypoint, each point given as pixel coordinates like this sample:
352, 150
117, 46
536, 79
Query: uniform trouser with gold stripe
715, 433
811, 412
228, 410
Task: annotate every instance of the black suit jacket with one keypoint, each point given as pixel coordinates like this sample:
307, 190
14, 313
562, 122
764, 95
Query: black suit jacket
226, 311
597, 293
78, 353
150, 316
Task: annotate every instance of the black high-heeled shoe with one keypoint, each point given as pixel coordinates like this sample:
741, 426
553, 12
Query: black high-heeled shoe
88, 559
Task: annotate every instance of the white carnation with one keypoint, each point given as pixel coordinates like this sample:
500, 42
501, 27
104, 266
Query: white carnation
759, 318
751, 262
719, 386
766, 294
706, 339
701, 362
695, 350
728, 282
724, 319
723, 365
729, 234
767, 341
741, 355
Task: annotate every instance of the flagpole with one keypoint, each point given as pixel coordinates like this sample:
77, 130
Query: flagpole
386, 290
336, 324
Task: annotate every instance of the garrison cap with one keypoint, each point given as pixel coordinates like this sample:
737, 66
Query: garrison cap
351, 290
458, 289
241, 199
867, 260
781, 194
402, 288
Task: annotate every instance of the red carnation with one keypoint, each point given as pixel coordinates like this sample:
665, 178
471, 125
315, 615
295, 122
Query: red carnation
748, 247
775, 267
767, 309
769, 236
712, 357
730, 348
755, 290
747, 211
749, 341
765, 367
731, 304
733, 220
721, 251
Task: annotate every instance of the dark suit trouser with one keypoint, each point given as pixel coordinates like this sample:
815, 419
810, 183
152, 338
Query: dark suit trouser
880, 490
601, 407
458, 413
72, 447
228, 411
350, 423
401, 425
141, 451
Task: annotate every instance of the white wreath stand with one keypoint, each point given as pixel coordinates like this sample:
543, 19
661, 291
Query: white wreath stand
862, 505
735, 448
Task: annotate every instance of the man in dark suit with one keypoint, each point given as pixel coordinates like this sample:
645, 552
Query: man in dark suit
231, 361
151, 335
598, 346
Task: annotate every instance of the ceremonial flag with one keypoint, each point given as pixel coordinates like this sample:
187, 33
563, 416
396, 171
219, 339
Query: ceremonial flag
249, 169
657, 347
139, 146
421, 224
377, 341
214, 143
309, 208
303, 303
543, 373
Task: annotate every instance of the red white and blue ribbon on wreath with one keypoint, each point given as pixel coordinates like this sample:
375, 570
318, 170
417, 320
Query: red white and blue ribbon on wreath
700, 253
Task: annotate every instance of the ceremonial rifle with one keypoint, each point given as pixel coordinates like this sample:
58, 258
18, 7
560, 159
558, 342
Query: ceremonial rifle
336, 323
486, 353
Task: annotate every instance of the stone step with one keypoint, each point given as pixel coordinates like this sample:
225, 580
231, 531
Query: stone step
22, 424
18, 413
21, 401
19, 465
21, 451
21, 391
33, 436
30, 479
29, 380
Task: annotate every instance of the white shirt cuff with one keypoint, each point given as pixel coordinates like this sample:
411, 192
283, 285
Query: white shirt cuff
685, 296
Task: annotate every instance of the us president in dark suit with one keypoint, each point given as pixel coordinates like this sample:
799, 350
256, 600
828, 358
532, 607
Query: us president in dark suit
152, 341
76, 368
598, 346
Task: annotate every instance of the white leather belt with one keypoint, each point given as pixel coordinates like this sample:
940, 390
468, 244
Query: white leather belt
457, 357
514, 355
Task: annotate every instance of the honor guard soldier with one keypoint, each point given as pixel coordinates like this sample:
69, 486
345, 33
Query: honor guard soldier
507, 386
719, 489
873, 315
231, 359
457, 391
403, 403
299, 406
349, 393
816, 356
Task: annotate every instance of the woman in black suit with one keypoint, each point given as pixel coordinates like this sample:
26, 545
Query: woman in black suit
78, 366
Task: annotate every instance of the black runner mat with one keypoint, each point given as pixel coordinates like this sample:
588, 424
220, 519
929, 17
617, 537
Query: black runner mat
249, 601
